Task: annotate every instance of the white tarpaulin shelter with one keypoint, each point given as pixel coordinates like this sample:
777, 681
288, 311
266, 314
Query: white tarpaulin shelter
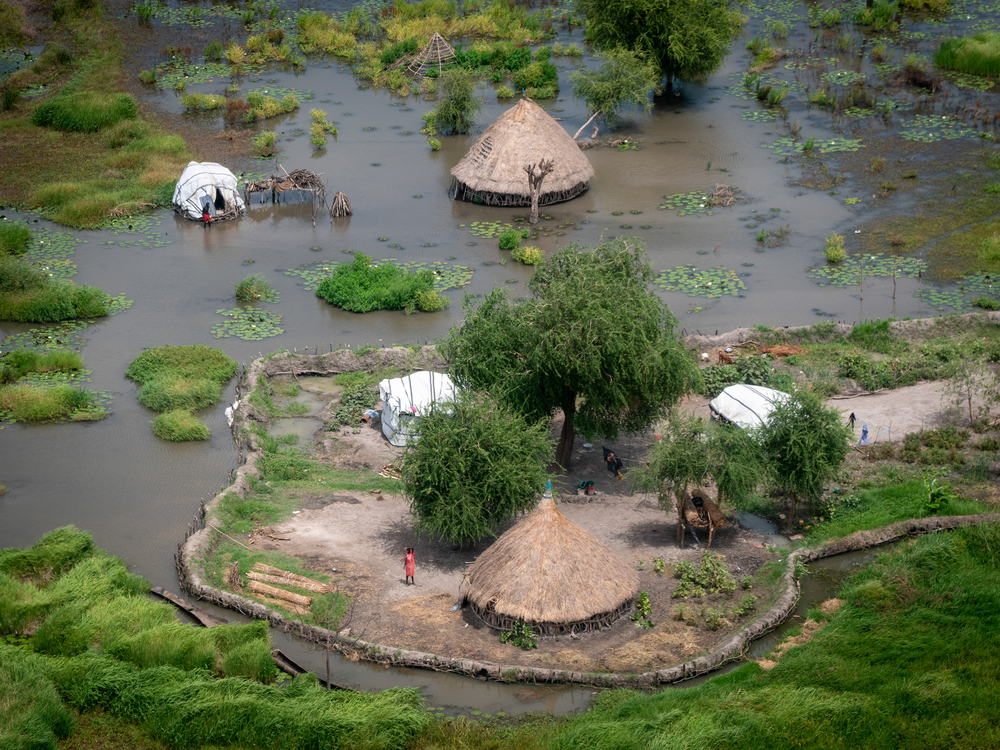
746, 405
211, 184
405, 399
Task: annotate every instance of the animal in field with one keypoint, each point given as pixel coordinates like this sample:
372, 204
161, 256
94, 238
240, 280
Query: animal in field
724, 358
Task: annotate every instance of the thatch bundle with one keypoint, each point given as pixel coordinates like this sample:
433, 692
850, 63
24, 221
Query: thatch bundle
340, 206
549, 573
493, 171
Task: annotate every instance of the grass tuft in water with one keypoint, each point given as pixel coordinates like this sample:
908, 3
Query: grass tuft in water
179, 426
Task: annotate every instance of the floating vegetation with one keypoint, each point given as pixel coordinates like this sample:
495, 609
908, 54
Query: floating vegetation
849, 271
616, 213
695, 202
965, 81
789, 147
248, 324
623, 226
960, 298
858, 112
843, 77
64, 335
711, 283
174, 72
488, 229
118, 303
446, 275
759, 115
933, 128
279, 92
52, 251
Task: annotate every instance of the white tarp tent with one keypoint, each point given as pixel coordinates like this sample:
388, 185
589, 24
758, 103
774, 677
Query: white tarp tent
211, 184
746, 405
405, 399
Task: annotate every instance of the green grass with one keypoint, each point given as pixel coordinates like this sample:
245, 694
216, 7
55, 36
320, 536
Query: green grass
179, 426
17, 363
253, 288
196, 362
362, 287
14, 238
879, 507
29, 295
35, 403
169, 393
85, 111
978, 54
202, 102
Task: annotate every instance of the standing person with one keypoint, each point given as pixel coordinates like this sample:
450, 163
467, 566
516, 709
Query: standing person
864, 435
850, 421
409, 566
206, 216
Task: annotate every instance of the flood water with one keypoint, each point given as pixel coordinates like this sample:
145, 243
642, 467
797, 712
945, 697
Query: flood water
137, 493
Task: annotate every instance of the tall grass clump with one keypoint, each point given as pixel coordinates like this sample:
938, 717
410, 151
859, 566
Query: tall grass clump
978, 54
29, 295
873, 335
181, 377
14, 238
17, 363
33, 715
180, 426
362, 287
262, 106
85, 111
37, 403
252, 288
834, 249
202, 102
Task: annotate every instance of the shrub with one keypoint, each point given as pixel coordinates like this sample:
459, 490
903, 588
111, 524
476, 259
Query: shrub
362, 286
265, 144
835, 252
434, 143
14, 238
431, 301
511, 239
986, 303
147, 76
85, 112
214, 50
505, 92
458, 109
253, 288
179, 425
530, 256
354, 399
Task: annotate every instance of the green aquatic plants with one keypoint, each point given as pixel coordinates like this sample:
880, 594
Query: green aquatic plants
85, 111
835, 252
17, 363
255, 288
529, 256
978, 54
180, 377
265, 144
179, 426
320, 127
197, 102
252, 324
511, 239
39, 403
14, 238
456, 113
30, 294
362, 286
263, 106
712, 283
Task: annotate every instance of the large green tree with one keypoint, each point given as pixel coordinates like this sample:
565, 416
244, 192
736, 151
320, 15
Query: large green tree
805, 442
592, 340
475, 465
687, 38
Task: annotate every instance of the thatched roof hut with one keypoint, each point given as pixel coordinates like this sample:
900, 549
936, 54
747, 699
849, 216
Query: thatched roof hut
493, 169
549, 573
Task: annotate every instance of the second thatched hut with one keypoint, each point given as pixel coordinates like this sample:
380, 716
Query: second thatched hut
549, 573
492, 172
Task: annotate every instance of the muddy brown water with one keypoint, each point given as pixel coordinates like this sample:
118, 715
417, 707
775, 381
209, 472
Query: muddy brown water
137, 493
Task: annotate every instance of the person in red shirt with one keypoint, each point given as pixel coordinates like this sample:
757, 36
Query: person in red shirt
206, 216
409, 566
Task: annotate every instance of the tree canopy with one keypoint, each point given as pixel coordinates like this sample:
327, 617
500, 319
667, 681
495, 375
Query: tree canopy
593, 340
686, 38
805, 442
625, 79
475, 465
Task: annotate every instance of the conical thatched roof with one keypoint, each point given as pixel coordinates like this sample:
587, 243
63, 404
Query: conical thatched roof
434, 54
493, 169
548, 572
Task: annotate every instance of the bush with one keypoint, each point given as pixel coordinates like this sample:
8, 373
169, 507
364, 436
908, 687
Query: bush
530, 256
354, 399
511, 239
362, 287
265, 144
253, 288
505, 92
85, 112
986, 303
14, 238
432, 301
458, 109
835, 252
434, 143
180, 425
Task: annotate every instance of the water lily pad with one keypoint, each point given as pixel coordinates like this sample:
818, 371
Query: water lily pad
712, 283
249, 324
695, 202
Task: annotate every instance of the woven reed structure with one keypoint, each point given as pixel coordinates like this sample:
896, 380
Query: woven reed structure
434, 55
493, 171
549, 573
298, 179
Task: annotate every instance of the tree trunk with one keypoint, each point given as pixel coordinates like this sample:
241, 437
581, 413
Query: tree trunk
533, 218
577, 134
564, 451
536, 173
791, 514
680, 515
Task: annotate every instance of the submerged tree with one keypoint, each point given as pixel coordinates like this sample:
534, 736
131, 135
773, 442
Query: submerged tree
805, 443
593, 341
458, 109
475, 465
626, 78
537, 173
686, 38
